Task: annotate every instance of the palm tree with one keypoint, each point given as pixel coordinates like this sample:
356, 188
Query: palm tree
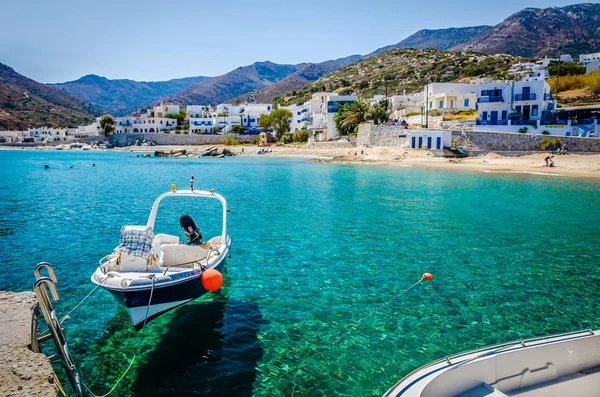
355, 114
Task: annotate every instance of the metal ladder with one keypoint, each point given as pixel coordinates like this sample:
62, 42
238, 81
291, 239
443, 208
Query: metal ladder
40, 287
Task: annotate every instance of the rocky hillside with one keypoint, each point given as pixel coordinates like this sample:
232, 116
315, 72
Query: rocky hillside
120, 97
237, 82
538, 32
25, 103
405, 69
439, 39
295, 81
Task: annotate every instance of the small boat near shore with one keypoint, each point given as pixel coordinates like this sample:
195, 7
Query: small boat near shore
562, 365
150, 274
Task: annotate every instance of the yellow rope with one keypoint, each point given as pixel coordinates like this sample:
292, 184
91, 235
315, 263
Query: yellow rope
59, 386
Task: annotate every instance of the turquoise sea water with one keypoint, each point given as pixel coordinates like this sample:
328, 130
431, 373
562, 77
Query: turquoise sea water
316, 250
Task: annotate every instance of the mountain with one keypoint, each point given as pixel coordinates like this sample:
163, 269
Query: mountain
120, 97
439, 39
295, 81
237, 82
538, 32
25, 103
395, 71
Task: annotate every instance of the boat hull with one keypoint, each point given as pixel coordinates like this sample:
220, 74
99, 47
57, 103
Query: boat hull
164, 298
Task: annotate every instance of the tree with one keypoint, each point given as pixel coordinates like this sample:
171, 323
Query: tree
264, 121
355, 113
565, 68
177, 116
107, 124
280, 121
379, 113
338, 117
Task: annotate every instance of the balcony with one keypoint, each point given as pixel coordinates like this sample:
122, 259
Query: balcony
525, 97
548, 97
490, 99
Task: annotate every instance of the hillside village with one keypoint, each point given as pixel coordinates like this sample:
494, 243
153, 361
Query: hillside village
521, 103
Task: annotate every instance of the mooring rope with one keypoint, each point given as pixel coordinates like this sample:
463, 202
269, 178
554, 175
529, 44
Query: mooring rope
84, 299
135, 355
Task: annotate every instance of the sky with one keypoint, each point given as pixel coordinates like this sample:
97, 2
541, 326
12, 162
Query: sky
54, 41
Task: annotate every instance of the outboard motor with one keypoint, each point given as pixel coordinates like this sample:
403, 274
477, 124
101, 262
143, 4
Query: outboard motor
190, 229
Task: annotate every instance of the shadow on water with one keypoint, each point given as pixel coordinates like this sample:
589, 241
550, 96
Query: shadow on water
207, 348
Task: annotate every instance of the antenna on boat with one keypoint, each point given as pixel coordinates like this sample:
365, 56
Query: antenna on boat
192, 183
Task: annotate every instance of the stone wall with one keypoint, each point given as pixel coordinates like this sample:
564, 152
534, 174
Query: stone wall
22, 372
178, 139
515, 142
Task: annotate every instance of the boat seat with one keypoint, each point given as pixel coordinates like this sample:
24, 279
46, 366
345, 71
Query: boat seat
174, 254
157, 243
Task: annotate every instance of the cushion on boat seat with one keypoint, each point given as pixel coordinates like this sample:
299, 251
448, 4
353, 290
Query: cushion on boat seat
135, 248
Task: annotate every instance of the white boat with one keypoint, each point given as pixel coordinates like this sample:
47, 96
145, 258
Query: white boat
150, 274
564, 365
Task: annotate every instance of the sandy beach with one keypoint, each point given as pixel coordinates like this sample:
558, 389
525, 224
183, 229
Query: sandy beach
571, 165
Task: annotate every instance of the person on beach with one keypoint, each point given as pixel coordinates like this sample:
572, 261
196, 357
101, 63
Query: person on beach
547, 160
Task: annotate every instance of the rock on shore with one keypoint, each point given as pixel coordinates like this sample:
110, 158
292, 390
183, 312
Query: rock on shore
22, 372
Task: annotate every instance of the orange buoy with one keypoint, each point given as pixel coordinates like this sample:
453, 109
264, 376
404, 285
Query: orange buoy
211, 279
427, 277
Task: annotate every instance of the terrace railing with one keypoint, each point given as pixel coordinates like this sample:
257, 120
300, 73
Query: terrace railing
490, 99
525, 97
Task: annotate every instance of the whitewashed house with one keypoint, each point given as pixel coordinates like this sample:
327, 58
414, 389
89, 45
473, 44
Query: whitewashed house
123, 125
300, 117
162, 110
45, 134
590, 61
450, 96
514, 104
14, 136
592, 66
322, 108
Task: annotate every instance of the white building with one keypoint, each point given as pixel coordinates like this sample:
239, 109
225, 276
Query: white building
14, 136
450, 96
123, 125
515, 103
162, 110
585, 58
300, 117
146, 124
425, 139
45, 134
566, 58
402, 104
322, 107
197, 111
529, 71
87, 131
592, 66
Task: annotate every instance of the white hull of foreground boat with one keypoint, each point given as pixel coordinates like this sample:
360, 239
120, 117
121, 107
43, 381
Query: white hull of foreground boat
565, 365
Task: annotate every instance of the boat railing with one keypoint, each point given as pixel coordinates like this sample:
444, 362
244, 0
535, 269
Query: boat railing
494, 349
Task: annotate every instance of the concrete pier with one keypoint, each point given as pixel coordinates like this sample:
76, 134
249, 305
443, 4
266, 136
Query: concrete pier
22, 372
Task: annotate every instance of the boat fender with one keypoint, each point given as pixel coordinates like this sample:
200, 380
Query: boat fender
211, 279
